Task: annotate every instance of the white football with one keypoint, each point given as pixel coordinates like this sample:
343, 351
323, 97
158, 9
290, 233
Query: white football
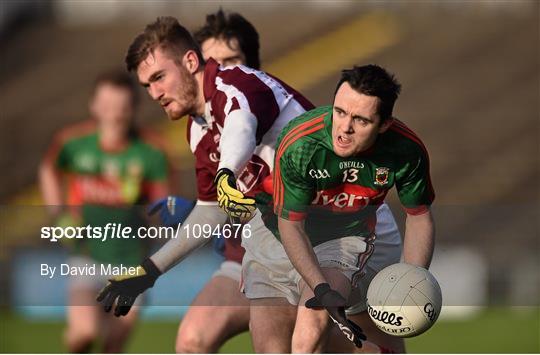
404, 300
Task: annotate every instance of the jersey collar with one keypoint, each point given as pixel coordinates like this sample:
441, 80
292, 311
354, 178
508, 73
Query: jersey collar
211, 70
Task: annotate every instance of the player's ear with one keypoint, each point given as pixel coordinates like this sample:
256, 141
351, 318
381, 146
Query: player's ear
386, 124
191, 61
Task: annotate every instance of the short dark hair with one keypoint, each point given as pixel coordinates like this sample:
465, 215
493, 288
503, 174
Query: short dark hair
228, 27
165, 33
373, 80
118, 78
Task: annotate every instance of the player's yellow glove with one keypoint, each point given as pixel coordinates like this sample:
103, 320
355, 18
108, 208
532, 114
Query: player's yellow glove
232, 201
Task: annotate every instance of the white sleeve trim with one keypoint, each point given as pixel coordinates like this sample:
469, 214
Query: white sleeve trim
238, 141
206, 203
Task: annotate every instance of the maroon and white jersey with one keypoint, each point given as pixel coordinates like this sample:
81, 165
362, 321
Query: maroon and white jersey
272, 102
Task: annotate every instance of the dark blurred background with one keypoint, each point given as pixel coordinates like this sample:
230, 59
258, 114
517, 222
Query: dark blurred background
471, 90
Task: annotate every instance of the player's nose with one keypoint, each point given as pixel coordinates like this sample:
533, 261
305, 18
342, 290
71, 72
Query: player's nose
155, 92
347, 125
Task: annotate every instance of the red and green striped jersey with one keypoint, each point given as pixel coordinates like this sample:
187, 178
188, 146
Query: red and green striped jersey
107, 185
337, 196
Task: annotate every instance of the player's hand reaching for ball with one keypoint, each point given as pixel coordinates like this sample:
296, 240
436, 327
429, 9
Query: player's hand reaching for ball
124, 289
334, 303
231, 200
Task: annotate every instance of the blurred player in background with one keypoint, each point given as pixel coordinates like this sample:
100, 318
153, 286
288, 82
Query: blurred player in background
333, 168
108, 169
229, 314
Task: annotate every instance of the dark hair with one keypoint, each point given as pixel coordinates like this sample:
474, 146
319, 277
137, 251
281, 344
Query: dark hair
121, 79
373, 80
166, 33
218, 25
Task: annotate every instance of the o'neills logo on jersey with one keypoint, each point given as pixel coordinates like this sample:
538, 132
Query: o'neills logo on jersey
347, 197
381, 176
351, 164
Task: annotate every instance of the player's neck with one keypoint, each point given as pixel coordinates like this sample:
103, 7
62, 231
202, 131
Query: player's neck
113, 141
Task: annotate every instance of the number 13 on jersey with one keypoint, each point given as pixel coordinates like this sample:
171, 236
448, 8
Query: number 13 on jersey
350, 175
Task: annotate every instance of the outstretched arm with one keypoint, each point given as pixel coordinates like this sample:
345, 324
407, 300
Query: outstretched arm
123, 290
419, 239
300, 252
184, 243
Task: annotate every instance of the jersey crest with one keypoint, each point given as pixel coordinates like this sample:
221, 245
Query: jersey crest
381, 176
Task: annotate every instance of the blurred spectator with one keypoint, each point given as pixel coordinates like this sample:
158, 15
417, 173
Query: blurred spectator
109, 168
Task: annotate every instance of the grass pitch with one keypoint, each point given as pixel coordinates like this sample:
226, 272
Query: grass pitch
494, 330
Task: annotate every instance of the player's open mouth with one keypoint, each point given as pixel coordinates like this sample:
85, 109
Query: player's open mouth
343, 142
165, 104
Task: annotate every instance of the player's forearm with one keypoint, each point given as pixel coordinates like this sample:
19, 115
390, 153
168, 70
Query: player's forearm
300, 252
419, 239
51, 187
178, 248
238, 140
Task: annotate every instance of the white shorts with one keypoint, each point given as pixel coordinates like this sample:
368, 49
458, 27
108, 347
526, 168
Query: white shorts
230, 269
267, 271
387, 251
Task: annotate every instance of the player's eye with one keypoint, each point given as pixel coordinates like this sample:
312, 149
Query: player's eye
339, 112
361, 121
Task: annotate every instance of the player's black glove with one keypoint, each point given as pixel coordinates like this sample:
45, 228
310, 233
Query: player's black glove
125, 288
232, 201
335, 304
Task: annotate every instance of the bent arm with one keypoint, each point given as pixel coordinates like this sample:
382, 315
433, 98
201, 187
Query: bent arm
300, 252
238, 140
419, 239
178, 248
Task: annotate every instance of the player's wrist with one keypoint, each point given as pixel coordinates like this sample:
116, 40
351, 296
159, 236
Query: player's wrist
321, 289
224, 171
151, 269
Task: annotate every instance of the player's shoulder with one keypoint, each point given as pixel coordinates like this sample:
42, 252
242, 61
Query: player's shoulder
151, 140
248, 82
75, 132
303, 136
240, 74
306, 125
404, 140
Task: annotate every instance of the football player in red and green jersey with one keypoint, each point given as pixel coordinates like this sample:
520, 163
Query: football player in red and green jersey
108, 168
333, 167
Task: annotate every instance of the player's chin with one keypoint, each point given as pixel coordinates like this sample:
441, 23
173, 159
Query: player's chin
343, 153
174, 115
